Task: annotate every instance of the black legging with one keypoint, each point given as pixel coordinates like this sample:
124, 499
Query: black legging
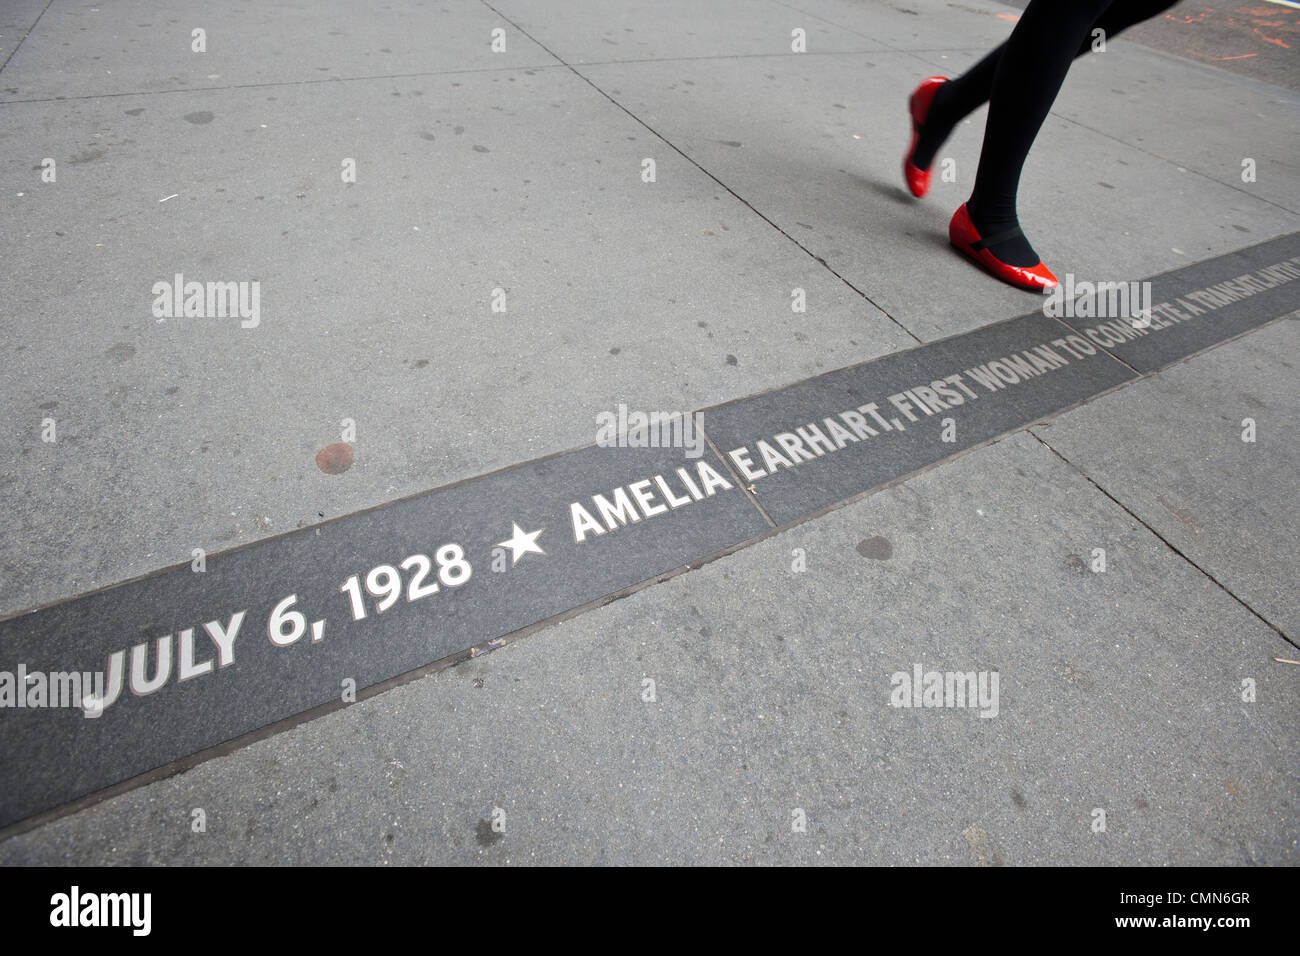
1019, 80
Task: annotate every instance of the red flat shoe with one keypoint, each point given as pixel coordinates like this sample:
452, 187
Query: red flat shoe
918, 180
967, 240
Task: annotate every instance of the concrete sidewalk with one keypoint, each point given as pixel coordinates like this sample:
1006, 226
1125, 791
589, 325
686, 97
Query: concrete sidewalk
499, 272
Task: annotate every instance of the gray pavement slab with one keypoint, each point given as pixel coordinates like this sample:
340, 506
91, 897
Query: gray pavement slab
591, 31
207, 652
376, 309
1171, 450
921, 27
92, 50
1118, 691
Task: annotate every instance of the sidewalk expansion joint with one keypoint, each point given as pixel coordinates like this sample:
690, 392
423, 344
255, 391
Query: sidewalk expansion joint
744, 486
277, 84
1163, 540
1169, 162
18, 46
735, 195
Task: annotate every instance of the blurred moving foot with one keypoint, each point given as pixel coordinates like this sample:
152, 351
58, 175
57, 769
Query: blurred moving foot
918, 176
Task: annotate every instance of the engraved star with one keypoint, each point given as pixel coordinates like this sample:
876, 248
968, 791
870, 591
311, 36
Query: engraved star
521, 543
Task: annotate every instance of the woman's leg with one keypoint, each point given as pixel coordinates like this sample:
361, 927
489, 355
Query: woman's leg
958, 98
1021, 80
1028, 76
